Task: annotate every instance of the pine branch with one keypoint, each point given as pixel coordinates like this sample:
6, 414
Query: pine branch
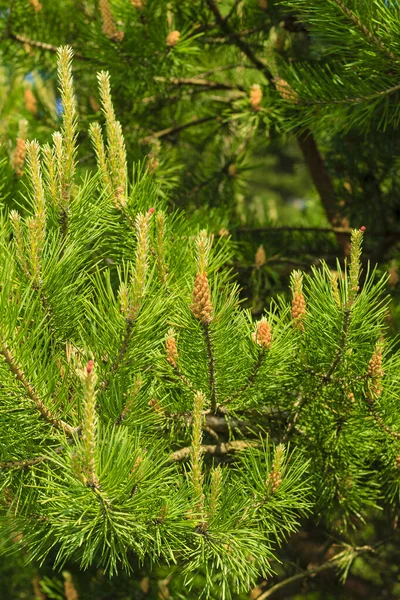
32, 394
365, 31
198, 81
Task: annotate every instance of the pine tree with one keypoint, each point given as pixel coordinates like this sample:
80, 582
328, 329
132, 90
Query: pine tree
147, 417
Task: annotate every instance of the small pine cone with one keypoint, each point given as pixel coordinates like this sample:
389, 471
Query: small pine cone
232, 170
202, 307
263, 335
172, 350
19, 157
397, 462
109, 28
223, 232
375, 372
155, 405
274, 481
173, 38
255, 96
285, 91
69, 588
30, 101
260, 258
298, 309
37, 7
137, 4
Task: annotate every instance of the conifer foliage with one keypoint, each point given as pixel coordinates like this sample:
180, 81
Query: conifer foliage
144, 413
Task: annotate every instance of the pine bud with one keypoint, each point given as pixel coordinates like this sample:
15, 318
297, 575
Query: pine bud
216, 489
171, 348
30, 101
355, 263
285, 91
260, 257
298, 302
255, 96
36, 5
274, 479
202, 306
263, 334
89, 423
109, 28
173, 38
375, 371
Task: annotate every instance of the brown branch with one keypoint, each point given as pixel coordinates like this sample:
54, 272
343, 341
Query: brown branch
178, 128
33, 395
368, 34
198, 81
241, 44
214, 450
22, 39
321, 179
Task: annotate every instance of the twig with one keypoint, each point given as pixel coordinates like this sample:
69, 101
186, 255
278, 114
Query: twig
178, 128
252, 377
42, 45
211, 366
198, 81
32, 394
214, 450
121, 353
310, 572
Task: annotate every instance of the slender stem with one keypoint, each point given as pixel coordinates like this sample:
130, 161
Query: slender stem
310, 572
32, 394
121, 353
252, 376
42, 45
211, 366
302, 401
